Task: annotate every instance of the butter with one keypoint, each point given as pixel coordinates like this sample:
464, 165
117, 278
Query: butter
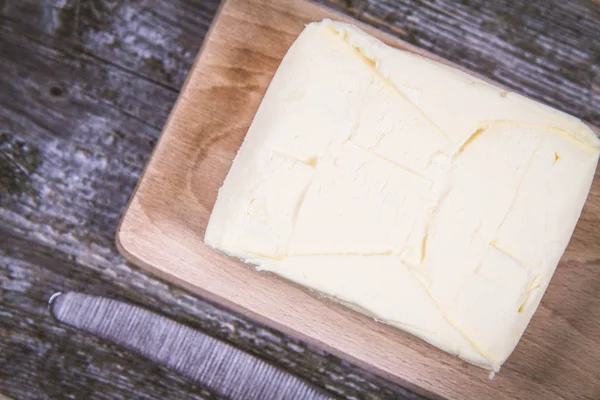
407, 190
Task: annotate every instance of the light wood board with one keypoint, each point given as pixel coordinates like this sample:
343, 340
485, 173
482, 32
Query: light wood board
163, 229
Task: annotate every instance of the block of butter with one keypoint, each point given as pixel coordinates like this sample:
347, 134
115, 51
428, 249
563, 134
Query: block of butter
406, 189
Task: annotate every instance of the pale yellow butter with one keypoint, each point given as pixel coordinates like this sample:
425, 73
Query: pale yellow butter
423, 196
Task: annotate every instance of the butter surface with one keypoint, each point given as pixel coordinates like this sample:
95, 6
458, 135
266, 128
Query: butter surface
407, 189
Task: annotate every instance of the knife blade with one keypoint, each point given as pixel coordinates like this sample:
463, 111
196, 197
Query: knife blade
208, 361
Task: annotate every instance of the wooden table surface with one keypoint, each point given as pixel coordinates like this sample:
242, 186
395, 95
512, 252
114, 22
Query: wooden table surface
85, 87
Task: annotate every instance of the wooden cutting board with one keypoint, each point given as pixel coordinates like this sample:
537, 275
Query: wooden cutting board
163, 229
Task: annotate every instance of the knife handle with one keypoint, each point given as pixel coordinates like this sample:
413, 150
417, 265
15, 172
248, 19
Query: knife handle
210, 362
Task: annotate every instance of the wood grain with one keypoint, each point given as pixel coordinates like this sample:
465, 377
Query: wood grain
85, 87
163, 228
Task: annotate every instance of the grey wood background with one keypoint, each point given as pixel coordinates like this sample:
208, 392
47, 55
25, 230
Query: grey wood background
85, 87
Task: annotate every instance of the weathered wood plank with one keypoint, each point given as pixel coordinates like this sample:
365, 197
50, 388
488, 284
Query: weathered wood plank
43, 359
85, 87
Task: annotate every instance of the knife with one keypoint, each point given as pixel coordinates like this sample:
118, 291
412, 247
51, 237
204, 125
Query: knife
212, 363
